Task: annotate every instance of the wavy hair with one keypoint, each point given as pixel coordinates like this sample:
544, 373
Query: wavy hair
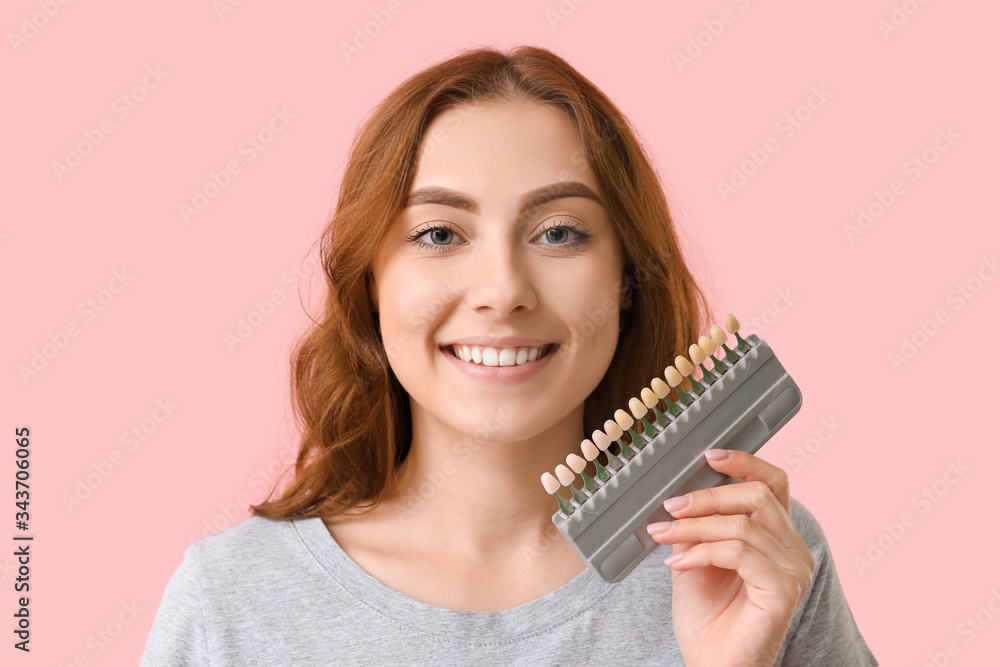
353, 413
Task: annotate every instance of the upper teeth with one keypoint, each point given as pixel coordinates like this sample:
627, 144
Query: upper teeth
497, 356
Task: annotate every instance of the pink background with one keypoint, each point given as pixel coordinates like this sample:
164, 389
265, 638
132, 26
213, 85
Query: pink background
871, 436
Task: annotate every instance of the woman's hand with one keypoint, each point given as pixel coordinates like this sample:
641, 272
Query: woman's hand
738, 577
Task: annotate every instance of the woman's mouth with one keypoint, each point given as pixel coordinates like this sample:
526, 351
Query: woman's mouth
494, 356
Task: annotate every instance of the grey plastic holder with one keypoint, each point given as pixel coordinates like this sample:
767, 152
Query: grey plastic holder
742, 410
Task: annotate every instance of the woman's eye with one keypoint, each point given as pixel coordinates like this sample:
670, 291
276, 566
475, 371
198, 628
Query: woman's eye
556, 234
438, 237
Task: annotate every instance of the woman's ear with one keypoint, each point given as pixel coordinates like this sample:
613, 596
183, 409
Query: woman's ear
372, 292
626, 294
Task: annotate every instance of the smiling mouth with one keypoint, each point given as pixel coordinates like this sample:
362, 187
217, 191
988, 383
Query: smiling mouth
479, 355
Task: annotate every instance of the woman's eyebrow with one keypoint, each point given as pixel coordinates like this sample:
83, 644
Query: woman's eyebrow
447, 197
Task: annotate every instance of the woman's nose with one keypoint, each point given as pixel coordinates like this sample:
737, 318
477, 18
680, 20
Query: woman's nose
500, 279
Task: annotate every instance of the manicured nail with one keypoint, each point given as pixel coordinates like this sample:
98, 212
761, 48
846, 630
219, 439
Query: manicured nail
716, 454
659, 527
674, 504
673, 559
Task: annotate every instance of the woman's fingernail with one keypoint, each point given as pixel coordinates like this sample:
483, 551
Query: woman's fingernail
716, 454
659, 527
673, 559
674, 504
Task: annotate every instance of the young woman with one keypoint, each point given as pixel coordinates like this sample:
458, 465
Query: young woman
503, 275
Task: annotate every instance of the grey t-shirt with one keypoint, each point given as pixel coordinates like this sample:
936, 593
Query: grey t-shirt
271, 592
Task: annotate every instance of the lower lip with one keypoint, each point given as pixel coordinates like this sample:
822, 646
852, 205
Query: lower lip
500, 373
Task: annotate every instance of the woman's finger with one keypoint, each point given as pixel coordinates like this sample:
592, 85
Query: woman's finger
752, 498
769, 585
751, 468
722, 528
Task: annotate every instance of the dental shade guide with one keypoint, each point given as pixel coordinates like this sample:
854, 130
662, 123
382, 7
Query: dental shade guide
740, 402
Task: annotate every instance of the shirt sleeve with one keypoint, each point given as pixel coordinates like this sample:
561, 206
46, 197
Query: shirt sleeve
822, 631
178, 638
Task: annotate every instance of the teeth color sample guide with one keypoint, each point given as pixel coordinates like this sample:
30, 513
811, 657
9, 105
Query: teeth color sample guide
739, 404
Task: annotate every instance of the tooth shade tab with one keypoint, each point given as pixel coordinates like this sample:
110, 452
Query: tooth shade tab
550, 483
683, 365
638, 408
697, 354
718, 335
659, 387
624, 420
612, 429
733, 325
673, 377
589, 449
707, 344
576, 463
564, 475
601, 440
649, 399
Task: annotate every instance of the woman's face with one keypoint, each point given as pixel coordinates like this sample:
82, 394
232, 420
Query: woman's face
504, 247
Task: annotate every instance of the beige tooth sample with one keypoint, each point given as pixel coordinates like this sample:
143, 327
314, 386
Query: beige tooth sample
550, 483
697, 354
708, 345
591, 451
660, 387
612, 430
576, 463
601, 440
683, 365
732, 324
718, 335
564, 475
639, 408
673, 377
649, 398
624, 420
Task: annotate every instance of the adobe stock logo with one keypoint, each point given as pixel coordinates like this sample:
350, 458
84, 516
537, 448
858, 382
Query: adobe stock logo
791, 122
88, 310
924, 500
122, 107
248, 149
927, 329
30, 25
712, 30
914, 167
363, 35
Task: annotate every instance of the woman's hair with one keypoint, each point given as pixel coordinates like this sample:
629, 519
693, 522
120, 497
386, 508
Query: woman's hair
354, 413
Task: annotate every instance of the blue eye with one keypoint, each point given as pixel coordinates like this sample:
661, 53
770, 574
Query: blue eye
582, 236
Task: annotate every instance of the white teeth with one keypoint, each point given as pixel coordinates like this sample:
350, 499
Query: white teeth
491, 356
